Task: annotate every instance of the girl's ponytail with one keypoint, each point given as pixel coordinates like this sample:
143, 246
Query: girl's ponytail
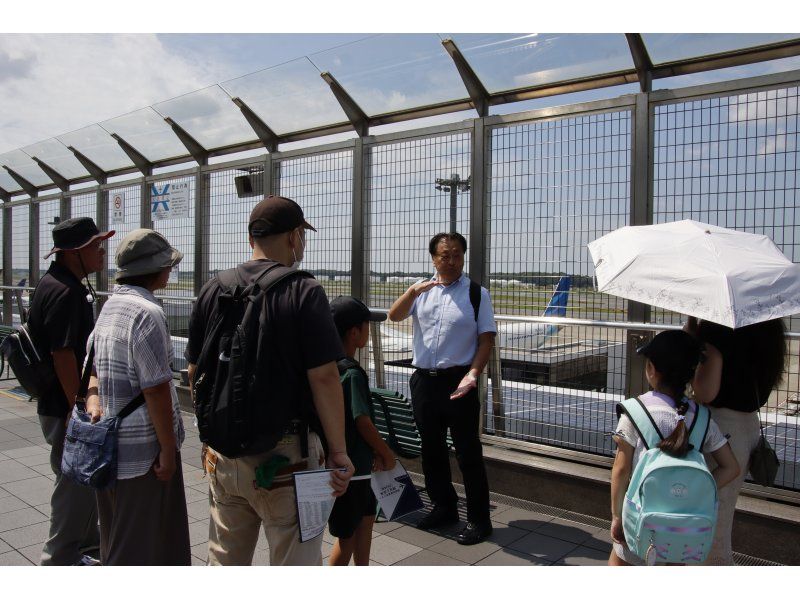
677, 443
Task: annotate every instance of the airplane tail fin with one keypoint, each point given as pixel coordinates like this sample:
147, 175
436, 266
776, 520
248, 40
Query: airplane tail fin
558, 302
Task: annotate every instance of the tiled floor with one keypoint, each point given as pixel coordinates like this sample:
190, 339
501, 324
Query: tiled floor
521, 537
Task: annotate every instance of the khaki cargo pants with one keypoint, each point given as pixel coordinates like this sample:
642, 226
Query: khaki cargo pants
239, 509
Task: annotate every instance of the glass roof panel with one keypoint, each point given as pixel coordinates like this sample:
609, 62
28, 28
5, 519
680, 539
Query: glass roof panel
209, 116
147, 132
506, 61
7, 183
667, 47
96, 144
58, 157
290, 97
24, 166
389, 73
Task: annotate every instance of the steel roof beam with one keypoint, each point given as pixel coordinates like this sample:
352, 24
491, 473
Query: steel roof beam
261, 129
61, 182
197, 151
641, 59
26, 185
358, 118
477, 92
97, 173
142, 164
725, 60
4, 195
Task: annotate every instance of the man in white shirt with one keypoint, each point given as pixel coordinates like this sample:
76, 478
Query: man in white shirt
454, 333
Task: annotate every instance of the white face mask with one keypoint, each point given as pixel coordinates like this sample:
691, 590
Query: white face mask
296, 264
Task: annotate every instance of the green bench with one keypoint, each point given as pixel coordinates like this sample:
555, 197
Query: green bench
394, 419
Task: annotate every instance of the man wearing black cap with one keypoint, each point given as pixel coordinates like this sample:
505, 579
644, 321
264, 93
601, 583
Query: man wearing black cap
60, 321
305, 347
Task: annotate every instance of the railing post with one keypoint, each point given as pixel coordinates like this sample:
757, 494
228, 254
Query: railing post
202, 225
641, 213
268, 166
145, 214
479, 230
102, 224
359, 250
33, 243
7, 265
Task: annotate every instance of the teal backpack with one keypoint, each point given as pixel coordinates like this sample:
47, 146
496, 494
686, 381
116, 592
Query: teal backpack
670, 508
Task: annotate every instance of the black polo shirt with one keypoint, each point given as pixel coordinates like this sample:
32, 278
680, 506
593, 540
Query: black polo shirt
301, 328
60, 317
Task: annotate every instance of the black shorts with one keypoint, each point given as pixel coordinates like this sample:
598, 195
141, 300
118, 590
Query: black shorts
350, 508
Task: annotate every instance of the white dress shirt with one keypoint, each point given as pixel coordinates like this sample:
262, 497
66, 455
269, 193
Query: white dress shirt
445, 330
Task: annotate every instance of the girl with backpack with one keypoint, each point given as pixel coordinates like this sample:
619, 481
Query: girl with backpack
672, 357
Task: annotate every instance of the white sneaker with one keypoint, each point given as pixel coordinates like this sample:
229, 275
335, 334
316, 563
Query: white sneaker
88, 561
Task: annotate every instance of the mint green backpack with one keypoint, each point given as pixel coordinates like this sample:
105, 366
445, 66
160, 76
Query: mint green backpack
670, 508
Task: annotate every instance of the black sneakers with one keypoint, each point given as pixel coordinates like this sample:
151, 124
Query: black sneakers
438, 517
474, 533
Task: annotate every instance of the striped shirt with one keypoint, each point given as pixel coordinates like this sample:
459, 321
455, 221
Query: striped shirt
133, 352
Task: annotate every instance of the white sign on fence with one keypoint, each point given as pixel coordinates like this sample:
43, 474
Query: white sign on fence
118, 207
170, 200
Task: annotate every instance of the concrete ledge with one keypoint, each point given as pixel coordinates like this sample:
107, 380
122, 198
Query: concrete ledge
764, 529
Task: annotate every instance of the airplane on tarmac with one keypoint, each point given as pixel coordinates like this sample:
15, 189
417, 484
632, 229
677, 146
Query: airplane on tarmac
524, 335
517, 335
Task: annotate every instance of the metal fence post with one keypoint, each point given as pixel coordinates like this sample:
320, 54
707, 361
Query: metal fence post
33, 243
268, 166
102, 224
641, 213
202, 223
359, 254
7, 265
145, 214
479, 260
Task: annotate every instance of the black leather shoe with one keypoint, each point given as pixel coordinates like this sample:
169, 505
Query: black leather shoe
438, 517
474, 533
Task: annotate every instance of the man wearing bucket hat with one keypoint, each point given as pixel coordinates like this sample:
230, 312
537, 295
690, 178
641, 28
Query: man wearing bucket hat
60, 320
143, 519
300, 363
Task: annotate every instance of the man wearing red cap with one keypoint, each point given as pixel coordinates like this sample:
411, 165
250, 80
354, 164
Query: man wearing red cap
300, 365
60, 321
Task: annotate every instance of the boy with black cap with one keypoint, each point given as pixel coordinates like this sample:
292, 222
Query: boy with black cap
354, 512
60, 320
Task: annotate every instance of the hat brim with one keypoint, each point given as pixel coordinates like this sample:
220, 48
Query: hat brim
102, 236
376, 316
307, 226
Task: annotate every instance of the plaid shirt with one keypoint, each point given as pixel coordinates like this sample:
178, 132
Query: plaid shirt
133, 351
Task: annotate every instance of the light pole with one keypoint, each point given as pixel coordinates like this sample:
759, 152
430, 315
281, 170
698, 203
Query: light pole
453, 185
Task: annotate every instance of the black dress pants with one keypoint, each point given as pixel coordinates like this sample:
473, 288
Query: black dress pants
434, 413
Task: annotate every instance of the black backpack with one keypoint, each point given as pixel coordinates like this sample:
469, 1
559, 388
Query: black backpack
234, 400
32, 367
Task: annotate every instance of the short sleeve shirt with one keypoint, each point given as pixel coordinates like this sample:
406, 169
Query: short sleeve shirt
445, 330
357, 404
60, 317
133, 352
662, 409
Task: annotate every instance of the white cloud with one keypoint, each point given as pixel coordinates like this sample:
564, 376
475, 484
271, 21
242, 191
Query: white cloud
54, 83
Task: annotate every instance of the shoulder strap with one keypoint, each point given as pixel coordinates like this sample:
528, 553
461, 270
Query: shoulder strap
475, 297
700, 426
276, 274
229, 278
642, 421
84, 388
